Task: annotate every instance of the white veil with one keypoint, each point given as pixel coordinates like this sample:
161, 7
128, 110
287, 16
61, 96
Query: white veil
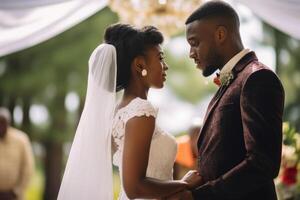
88, 174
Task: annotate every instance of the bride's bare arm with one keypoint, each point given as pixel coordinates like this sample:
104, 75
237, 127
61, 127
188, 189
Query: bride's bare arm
138, 136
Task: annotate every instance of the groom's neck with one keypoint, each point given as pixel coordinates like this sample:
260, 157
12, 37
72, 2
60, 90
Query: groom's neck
231, 51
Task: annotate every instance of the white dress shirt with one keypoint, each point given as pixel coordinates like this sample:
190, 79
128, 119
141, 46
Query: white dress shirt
226, 70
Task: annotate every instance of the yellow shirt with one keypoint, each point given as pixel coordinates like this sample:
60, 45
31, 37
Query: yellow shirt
16, 162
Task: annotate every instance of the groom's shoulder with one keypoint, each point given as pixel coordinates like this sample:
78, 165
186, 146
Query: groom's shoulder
259, 73
256, 66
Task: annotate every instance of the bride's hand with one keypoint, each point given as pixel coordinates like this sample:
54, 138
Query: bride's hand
193, 179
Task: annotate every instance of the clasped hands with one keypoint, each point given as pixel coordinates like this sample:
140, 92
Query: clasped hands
193, 180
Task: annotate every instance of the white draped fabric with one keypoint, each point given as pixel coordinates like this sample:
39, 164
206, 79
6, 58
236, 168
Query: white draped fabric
281, 14
26, 23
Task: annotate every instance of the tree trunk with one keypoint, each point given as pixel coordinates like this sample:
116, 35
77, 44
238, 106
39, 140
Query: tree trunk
1, 98
277, 48
53, 160
11, 107
54, 148
26, 125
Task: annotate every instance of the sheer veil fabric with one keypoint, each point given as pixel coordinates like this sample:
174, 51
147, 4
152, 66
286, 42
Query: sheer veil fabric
88, 173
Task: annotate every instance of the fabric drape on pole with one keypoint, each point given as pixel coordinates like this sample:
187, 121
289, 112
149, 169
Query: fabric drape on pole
281, 14
26, 23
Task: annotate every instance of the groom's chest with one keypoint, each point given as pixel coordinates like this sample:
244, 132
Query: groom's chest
223, 118
226, 107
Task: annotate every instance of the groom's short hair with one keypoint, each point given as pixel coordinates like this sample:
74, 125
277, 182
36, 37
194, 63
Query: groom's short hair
215, 9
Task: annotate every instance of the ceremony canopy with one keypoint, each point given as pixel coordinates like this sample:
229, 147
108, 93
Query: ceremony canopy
26, 23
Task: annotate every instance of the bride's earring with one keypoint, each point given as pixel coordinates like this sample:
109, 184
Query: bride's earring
144, 72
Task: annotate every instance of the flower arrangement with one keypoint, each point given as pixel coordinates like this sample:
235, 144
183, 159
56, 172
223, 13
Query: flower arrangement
287, 182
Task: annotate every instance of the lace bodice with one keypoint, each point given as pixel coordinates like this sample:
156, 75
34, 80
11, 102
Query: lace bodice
163, 145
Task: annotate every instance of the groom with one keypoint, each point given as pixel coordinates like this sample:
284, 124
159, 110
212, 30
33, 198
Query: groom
240, 142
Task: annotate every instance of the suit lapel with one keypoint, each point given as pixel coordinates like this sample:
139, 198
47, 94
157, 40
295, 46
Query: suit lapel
248, 58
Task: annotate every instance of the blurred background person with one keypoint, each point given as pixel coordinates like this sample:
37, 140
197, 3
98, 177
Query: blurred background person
16, 159
187, 152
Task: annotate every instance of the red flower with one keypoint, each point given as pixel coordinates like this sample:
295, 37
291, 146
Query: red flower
289, 175
217, 80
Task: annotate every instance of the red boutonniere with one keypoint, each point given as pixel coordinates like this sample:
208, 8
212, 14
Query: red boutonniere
223, 80
217, 80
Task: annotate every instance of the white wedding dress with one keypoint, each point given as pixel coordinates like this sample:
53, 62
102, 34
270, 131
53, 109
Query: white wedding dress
163, 147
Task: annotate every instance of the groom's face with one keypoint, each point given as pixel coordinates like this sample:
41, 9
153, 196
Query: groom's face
203, 49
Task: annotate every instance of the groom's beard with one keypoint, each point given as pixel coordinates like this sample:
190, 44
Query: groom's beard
209, 70
215, 61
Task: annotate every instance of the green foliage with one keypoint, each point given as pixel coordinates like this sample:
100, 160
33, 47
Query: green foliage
287, 50
289, 135
47, 72
185, 80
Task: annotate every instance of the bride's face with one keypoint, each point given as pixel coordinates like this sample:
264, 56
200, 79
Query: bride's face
156, 67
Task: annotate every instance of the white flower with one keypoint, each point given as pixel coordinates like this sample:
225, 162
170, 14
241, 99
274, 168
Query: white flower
226, 78
289, 156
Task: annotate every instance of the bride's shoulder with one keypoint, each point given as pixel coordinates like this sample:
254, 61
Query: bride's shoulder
136, 108
143, 107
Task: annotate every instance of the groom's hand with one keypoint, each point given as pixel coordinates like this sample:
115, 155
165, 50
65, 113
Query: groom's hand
182, 195
193, 179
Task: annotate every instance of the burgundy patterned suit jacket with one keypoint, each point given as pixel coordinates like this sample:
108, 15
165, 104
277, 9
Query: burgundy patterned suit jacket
240, 142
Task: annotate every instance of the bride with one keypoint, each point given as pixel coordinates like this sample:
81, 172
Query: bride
132, 60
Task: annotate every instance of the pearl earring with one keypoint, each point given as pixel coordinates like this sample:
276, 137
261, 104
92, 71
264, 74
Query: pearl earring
144, 72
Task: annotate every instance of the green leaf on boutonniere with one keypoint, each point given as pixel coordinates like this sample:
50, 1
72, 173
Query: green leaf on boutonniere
226, 78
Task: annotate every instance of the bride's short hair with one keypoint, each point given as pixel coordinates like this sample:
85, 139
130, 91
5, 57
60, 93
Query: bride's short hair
130, 42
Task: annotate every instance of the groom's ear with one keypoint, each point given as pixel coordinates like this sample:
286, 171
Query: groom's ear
220, 34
